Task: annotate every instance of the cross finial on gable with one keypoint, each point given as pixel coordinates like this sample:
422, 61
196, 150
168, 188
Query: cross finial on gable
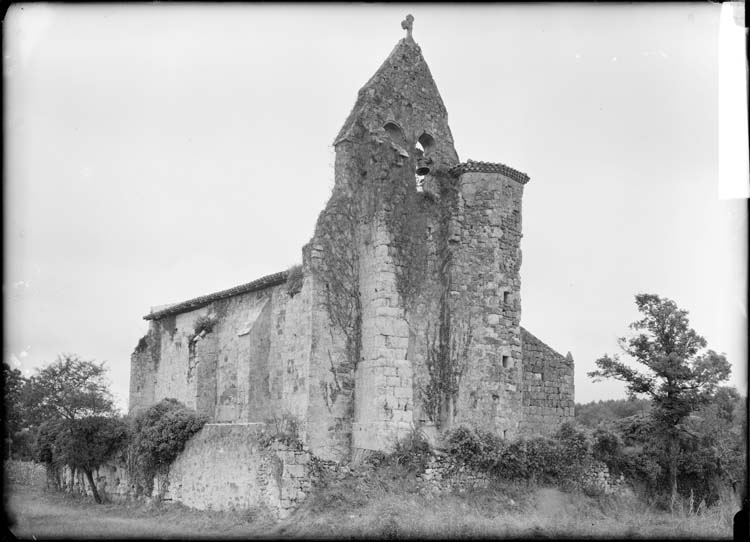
407, 24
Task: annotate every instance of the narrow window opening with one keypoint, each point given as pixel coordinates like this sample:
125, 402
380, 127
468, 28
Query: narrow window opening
505, 434
506, 298
506, 362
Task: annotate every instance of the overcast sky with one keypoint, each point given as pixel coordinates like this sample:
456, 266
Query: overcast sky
156, 153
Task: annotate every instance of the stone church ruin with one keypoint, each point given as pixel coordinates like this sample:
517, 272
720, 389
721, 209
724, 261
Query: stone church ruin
405, 313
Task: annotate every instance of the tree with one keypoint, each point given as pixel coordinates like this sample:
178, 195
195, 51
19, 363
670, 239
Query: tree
71, 403
679, 376
13, 389
70, 388
722, 428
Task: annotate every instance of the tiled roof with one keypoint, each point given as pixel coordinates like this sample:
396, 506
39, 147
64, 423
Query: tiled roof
197, 302
489, 167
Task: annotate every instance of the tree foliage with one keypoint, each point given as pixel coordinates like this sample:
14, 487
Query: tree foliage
15, 418
674, 371
88, 442
71, 389
13, 383
678, 376
70, 403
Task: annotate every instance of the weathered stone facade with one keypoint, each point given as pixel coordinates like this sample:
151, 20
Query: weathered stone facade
548, 392
406, 312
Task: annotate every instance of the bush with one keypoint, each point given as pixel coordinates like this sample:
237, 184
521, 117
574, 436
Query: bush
562, 459
571, 456
473, 447
413, 452
608, 448
295, 277
157, 437
284, 429
204, 322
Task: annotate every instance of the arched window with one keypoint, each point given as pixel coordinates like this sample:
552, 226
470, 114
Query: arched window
395, 132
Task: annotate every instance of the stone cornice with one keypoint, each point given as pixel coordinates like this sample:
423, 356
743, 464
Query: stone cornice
471, 166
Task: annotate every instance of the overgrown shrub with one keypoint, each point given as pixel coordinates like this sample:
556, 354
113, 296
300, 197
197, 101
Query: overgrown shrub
295, 276
205, 322
562, 459
157, 437
608, 448
284, 429
413, 452
473, 447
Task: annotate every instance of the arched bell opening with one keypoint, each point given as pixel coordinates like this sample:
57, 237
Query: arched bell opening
422, 148
395, 133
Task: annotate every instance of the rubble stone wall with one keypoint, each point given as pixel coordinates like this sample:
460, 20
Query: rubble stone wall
223, 467
486, 293
548, 387
227, 467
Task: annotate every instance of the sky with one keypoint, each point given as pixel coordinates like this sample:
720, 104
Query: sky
155, 153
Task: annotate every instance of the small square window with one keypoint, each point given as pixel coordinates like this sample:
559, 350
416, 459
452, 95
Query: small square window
506, 362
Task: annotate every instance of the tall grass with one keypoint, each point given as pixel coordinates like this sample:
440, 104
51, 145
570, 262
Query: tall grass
390, 502
387, 502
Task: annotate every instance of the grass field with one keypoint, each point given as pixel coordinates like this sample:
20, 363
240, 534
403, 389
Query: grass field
387, 505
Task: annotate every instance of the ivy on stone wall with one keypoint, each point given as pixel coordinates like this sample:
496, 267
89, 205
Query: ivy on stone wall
446, 361
284, 429
564, 459
338, 271
203, 325
157, 436
295, 276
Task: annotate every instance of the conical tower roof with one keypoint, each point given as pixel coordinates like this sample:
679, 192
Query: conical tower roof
402, 92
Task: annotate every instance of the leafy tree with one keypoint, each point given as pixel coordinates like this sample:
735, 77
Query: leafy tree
676, 374
81, 444
71, 403
720, 430
13, 389
88, 442
70, 388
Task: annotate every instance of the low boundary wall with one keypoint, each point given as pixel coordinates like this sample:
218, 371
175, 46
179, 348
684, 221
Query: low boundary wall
223, 467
